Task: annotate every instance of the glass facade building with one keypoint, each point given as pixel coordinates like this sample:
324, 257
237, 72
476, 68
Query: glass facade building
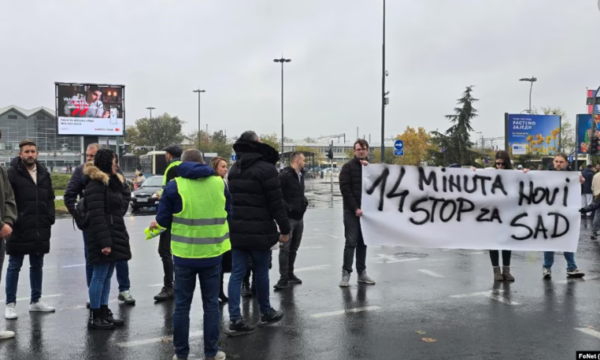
38, 125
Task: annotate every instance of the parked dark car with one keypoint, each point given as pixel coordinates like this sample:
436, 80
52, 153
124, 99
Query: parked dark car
145, 195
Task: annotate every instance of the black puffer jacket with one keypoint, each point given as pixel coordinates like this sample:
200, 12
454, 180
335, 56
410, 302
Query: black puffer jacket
35, 205
351, 184
292, 188
257, 199
105, 210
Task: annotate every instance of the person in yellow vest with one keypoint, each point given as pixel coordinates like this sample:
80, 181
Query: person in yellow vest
196, 206
172, 155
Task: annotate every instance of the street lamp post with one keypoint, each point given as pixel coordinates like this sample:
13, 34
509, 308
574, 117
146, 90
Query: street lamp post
199, 128
282, 60
383, 92
150, 108
530, 80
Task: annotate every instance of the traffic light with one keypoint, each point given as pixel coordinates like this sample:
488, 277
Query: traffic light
594, 146
330, 152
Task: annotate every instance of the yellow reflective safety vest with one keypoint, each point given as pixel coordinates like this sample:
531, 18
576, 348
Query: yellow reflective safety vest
200, 230
171, 164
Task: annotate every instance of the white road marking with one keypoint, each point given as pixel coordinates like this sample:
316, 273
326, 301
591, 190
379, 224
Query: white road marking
310, 247
166, 339
333, 236
475, 253
312, 268
72, 266
347, 311
492, 294
156, 285
586, 278
29, 297
384, 259
79, 307
431, 273
591, 332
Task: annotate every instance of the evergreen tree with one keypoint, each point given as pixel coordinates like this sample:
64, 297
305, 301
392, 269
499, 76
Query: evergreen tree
454, 146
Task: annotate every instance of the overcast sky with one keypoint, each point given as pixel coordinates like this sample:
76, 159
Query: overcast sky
161, 50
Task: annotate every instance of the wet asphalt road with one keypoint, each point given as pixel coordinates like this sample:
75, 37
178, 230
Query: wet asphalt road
447, 296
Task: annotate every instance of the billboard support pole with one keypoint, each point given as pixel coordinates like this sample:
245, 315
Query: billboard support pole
576, 143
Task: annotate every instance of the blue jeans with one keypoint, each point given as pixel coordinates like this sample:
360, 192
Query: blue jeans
210, 286
569, 256
99, 289
122, 268
260, 266
15, 262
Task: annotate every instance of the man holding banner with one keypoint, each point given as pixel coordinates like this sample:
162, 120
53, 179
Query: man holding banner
560, 164
351, 189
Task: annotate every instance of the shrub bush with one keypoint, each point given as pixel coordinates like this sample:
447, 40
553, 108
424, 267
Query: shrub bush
60, 181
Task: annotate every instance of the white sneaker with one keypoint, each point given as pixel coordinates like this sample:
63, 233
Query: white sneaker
6, 335
11, 311
220, 356
41, 307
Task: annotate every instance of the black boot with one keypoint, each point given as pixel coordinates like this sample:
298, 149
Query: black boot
97, 321
165, 294
108, 316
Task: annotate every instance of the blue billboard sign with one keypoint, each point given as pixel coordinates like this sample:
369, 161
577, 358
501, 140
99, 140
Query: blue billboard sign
532, 134
584, 126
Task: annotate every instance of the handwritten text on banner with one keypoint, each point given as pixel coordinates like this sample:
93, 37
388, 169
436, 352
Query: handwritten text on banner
462, 209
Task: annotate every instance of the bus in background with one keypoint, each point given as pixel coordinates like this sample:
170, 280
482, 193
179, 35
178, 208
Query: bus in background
153, 163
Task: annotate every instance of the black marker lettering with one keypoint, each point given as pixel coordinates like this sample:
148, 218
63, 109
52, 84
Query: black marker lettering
432, 178
514, 223
466, 177
565, 197
556, 217
435, 202
461, 207
443, 208
452, 184
540, 228
381, 179
522, 195
415, 207
483, 180
495, 215
392, 194
444, 182
497, 184
484, 212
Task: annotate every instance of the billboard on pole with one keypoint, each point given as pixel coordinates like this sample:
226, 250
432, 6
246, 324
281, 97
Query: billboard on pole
90, 109
585, 126
532, 134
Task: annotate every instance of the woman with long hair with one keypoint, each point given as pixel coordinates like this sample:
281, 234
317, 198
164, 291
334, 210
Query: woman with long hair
108, 239
219, 165
502, 162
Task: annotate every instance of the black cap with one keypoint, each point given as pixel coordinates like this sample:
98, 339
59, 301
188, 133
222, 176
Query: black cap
174, 150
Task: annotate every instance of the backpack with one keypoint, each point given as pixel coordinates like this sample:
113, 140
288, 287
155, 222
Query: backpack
81, 212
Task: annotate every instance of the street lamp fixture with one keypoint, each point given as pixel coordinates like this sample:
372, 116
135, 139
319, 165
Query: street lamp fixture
150, 108
282, 60
199, 128
530, 80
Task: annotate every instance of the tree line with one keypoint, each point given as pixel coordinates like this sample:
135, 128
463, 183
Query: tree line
436, 148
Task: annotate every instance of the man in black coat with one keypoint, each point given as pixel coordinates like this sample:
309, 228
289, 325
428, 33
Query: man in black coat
586, 188
292, 187
34, 196
257, 204
351, 189
74, 190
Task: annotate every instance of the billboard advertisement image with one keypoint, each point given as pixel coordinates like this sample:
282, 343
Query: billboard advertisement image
584, 131
89, 109
532, 134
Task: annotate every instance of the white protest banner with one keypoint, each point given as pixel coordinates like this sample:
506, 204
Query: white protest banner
464, 209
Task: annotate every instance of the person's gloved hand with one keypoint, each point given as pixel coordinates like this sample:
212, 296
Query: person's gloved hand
583, 210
